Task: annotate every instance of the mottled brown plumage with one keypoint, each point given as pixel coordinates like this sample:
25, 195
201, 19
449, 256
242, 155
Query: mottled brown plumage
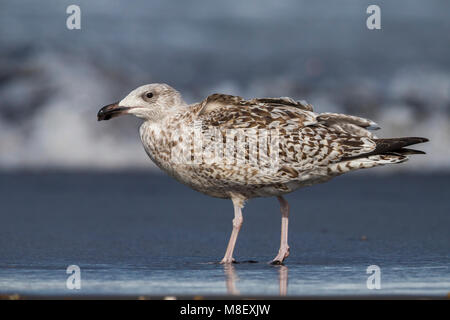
268, 146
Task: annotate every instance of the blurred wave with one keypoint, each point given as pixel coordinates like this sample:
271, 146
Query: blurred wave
53, 80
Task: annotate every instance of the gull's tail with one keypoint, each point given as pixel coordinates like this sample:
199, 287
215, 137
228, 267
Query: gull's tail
397, 146
387, 151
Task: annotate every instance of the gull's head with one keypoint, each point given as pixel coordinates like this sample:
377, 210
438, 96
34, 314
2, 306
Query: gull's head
150, 102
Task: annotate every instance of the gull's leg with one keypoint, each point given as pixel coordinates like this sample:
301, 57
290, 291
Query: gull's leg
237, 223
283, 253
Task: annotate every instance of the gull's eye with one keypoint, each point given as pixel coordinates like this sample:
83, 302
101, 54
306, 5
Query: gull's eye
149, 95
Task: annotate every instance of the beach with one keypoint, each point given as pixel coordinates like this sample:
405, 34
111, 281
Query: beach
140, 233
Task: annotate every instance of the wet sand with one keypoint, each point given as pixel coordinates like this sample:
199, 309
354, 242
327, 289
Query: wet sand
135, 234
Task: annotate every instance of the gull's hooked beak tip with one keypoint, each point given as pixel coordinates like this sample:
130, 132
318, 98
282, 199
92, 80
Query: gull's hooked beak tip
110, 111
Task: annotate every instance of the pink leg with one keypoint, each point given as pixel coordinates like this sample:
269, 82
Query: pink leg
283, 253
237, 223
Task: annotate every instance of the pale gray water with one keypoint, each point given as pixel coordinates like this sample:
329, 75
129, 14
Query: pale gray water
138, 233
53, 80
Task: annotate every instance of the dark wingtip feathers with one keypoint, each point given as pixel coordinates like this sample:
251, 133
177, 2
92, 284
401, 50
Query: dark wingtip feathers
397, 144
393, 146
407, 151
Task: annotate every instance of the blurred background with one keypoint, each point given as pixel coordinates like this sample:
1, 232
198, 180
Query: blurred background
54, 80
77, 191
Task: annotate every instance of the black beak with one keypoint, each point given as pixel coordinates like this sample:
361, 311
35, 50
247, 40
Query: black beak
111, 111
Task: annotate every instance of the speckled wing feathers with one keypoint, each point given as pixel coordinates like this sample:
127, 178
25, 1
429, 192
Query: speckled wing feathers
310, 144
312, 147
318, 138
348, 124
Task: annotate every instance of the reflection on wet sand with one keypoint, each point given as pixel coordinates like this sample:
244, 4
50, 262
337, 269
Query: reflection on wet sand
231, 278
283, 279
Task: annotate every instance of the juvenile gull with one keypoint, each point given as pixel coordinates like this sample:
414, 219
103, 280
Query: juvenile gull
292, 146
